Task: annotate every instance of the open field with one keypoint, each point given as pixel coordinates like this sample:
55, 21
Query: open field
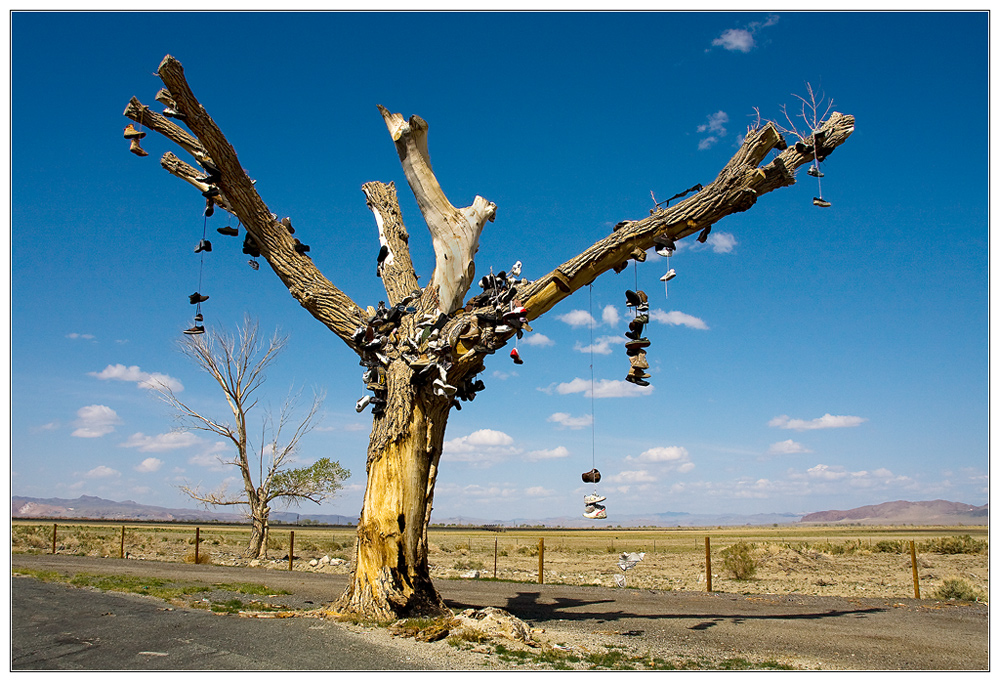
862, 561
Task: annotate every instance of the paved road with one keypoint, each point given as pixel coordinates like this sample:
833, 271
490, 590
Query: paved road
860, 634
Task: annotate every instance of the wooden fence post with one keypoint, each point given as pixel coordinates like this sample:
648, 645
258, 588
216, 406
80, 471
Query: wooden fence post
54, 526
708, 562
197, 541
916, 578
541, 561
496, 544
123, 543
291, 549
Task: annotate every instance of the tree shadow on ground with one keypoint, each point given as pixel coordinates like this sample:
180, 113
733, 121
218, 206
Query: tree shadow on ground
526, 605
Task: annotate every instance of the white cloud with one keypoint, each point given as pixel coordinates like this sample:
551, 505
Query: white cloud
827, 421
161, 442
503, 376
787, 447
673, 453
102, 472
538, 491
678, 319
577, 318
484, 447
631, 477
610, 315
94, 421
735, 40
605, 388
554, 453
149, 465
716, 123
743, 39
715, 126
569, 422
675, 457
74, 335
603, 345
142, 379
707, 143
537, 339
212, 458
721, 242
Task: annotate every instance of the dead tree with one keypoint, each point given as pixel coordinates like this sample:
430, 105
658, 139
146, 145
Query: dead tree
390, 572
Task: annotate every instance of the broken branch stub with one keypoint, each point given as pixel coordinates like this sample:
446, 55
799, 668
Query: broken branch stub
454, 231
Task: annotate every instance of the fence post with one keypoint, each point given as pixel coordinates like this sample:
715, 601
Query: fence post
708, 562
916, 578
197, 541
291, 549
54, 526
496, 543
541, 561
123, 542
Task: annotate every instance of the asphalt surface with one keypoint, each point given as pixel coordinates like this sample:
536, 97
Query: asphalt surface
55, 626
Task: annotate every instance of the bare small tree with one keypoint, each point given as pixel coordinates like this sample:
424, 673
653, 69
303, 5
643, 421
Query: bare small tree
237, 363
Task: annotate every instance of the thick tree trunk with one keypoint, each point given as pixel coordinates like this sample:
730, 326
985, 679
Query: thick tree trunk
391, 576
258, 531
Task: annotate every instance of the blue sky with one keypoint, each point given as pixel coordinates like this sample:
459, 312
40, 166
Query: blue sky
805, 359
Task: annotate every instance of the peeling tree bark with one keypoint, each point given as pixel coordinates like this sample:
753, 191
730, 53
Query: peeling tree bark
390, 577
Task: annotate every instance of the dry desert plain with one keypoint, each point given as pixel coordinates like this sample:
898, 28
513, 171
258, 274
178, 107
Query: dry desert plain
831, 560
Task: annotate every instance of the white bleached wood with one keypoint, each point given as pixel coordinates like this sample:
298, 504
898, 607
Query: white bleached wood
454, 232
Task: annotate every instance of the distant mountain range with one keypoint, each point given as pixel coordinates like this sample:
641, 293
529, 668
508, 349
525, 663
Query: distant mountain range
936, 512
88, 507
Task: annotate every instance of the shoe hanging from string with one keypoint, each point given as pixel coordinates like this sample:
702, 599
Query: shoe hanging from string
197, 298
815, 171
593, 509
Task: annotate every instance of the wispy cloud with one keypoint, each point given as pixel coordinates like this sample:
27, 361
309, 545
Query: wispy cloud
94, 421
85, 337
604, 388
102, 472
743, 39
553, 453
827, 421
577, 318
715, 126
676, 458
537, 339
603, 345
162, 442
566, 421
142, 379
677, 319
719, 242
787, 447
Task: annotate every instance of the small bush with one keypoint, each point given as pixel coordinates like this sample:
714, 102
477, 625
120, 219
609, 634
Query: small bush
738, 561
961, 544
956, 589
891, 546
203, 558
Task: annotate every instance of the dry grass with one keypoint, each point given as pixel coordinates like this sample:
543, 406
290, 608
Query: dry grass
821, 560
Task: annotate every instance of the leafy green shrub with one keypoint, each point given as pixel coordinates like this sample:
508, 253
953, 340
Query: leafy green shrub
738, 561
891, 546
956, 589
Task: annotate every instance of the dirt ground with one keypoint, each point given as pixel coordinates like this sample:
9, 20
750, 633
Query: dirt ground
824, 561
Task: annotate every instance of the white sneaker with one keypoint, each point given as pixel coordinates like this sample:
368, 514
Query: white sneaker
593, 499
596, 514
671, 273
363, 403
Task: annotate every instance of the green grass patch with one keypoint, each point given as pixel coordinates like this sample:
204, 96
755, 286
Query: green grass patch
156, 587
257, 589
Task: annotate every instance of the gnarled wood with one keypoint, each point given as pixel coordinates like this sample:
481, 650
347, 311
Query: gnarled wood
397, 272
736, 189
305, 282
455, 232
